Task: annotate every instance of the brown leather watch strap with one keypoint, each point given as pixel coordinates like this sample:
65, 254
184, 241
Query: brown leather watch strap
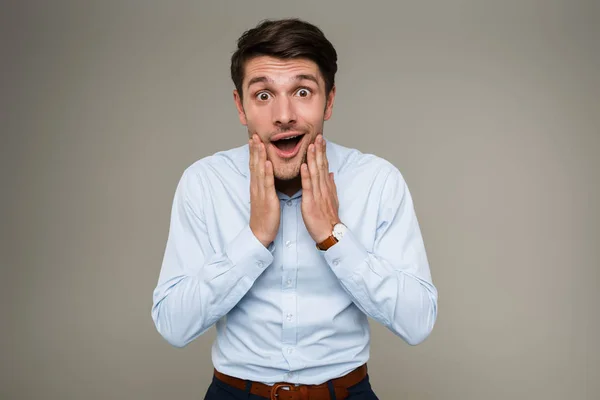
327, 243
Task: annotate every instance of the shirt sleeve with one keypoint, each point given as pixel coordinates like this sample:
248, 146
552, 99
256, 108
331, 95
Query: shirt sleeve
197, 286
392, 283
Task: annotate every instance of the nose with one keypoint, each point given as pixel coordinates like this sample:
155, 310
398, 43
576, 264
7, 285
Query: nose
283, 112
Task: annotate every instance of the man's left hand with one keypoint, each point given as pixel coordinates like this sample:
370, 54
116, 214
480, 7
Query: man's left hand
319, 193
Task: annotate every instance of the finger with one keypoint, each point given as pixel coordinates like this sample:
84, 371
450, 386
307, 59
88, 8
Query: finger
325, 160
250, 151
314, 173
323, 169
319, 152
305, 178
269, 176
329, 180
252, 165
260, 168
254, 152
334, 190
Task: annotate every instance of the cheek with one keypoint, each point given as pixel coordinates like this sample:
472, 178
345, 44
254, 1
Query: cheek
259, 121
311, 114
257, 112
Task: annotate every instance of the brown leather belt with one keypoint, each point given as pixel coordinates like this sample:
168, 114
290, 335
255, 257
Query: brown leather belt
290, 391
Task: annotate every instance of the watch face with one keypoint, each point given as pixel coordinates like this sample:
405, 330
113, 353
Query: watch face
339, 230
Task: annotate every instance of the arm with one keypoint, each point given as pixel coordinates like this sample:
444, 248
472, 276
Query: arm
392, 284
196, 286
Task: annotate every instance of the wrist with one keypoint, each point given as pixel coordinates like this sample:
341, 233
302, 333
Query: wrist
335, 234
322, 237
326, 232
261, 238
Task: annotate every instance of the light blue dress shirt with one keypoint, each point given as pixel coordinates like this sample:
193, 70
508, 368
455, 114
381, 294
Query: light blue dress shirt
291, 312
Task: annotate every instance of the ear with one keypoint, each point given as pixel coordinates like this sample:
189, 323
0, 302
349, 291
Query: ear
329, 105
240, 108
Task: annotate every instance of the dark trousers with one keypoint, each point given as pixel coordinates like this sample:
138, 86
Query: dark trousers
221, 391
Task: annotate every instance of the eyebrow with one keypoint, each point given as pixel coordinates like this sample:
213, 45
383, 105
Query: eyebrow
299, 77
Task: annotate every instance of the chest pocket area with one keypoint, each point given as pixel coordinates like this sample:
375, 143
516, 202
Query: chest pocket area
313, 271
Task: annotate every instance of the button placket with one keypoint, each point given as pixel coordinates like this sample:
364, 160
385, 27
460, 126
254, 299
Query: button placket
289, 261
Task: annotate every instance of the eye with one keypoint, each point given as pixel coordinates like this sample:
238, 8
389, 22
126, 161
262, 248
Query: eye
303, 92
263, 96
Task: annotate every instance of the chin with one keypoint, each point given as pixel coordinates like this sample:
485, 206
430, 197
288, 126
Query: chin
287, 172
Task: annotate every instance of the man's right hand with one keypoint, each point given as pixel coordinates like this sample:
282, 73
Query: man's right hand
264, 203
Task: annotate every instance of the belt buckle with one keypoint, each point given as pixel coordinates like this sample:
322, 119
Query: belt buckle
278, 386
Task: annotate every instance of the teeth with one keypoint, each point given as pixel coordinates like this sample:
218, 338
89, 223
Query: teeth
291, 137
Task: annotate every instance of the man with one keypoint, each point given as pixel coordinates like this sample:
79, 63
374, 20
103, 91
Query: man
289, 242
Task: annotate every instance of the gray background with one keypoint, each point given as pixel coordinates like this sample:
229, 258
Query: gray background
490, 109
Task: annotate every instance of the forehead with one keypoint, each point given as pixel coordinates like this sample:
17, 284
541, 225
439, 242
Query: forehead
280, 71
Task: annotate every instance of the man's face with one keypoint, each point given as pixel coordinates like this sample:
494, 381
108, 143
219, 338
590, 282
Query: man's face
284, 102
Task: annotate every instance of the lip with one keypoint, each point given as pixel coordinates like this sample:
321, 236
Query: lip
287, 154
286, 135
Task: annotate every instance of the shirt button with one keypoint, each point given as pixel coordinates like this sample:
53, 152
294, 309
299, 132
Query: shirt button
289, 317
290, 375
289, 282
288, 244
289, 203
336, 261
290, 351
259, 263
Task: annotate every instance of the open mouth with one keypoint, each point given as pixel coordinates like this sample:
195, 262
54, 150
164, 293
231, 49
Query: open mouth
288, 147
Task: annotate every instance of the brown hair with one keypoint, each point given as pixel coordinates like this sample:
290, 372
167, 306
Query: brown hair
285, 38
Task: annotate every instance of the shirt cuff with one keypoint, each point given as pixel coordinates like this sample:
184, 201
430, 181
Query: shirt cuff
248, 253
346, 256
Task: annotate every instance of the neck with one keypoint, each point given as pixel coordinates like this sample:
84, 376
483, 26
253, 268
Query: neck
289, 187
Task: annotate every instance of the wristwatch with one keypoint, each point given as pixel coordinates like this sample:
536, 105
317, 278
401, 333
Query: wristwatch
337, 234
